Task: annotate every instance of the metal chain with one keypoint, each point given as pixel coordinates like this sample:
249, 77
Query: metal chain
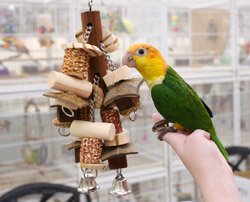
90, 3
106, 55
92, 100
87, 34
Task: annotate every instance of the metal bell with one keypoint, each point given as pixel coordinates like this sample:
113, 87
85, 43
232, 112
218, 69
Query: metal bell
119, 186
87, 182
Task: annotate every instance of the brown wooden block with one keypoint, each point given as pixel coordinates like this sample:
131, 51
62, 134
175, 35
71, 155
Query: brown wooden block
112, 152
63, 117
118, 162
127, 102
77, 155
97, 64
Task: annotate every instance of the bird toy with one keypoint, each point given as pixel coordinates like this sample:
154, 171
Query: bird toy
85, 85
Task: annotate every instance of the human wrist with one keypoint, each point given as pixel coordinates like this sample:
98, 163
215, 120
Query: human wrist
218, 187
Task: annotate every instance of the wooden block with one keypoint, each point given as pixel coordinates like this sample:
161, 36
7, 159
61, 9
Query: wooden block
97, 64
105, 131
77, 155
122, 89
112, 152
111, 42
119, 139
117, 75
91, 49
63, 117
63, 82
69, 97
97, 166
127, 102
72, 145
118, 162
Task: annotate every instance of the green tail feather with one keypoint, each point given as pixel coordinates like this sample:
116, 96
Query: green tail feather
219, 145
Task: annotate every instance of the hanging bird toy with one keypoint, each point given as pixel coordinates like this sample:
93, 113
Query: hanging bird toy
85, 85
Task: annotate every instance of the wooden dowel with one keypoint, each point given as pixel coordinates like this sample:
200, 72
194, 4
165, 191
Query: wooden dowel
105, 131
62, 82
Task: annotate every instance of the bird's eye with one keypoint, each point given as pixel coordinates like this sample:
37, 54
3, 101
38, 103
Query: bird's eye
141, 52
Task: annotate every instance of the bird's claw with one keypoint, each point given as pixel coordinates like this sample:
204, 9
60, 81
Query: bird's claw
164, 131
159, 125
162, 127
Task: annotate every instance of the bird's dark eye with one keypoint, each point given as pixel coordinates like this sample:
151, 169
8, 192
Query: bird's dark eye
141, 52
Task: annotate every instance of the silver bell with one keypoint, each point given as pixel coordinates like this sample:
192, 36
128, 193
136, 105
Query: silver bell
119, 186
87, 182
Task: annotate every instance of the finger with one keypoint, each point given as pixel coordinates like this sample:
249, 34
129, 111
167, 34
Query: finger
202, 133
176, 140
156, 117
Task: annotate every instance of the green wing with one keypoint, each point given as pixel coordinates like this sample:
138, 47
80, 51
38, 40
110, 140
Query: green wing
178, 102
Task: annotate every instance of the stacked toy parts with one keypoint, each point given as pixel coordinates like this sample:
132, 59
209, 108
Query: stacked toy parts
85, 85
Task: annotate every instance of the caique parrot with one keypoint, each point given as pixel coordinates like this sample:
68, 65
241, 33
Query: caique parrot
174, 99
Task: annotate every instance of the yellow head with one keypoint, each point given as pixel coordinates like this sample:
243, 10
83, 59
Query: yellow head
148, 61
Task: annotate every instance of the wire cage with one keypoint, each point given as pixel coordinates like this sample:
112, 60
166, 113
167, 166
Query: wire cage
206, 42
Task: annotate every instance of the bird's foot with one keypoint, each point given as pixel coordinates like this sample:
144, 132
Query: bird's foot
162, 127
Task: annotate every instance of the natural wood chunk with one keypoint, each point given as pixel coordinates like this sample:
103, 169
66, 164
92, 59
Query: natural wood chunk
97, 166
112, 152
111, 42
90, 49
118, 162
72, 145
119, 139
116, 75
122, 89
69, 98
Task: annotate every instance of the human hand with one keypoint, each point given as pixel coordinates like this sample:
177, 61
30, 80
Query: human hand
206, 164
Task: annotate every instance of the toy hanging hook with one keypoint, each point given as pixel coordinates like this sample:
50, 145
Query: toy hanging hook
134, 118
90, 3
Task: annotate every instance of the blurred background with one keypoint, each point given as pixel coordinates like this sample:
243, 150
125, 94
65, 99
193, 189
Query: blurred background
207, 42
